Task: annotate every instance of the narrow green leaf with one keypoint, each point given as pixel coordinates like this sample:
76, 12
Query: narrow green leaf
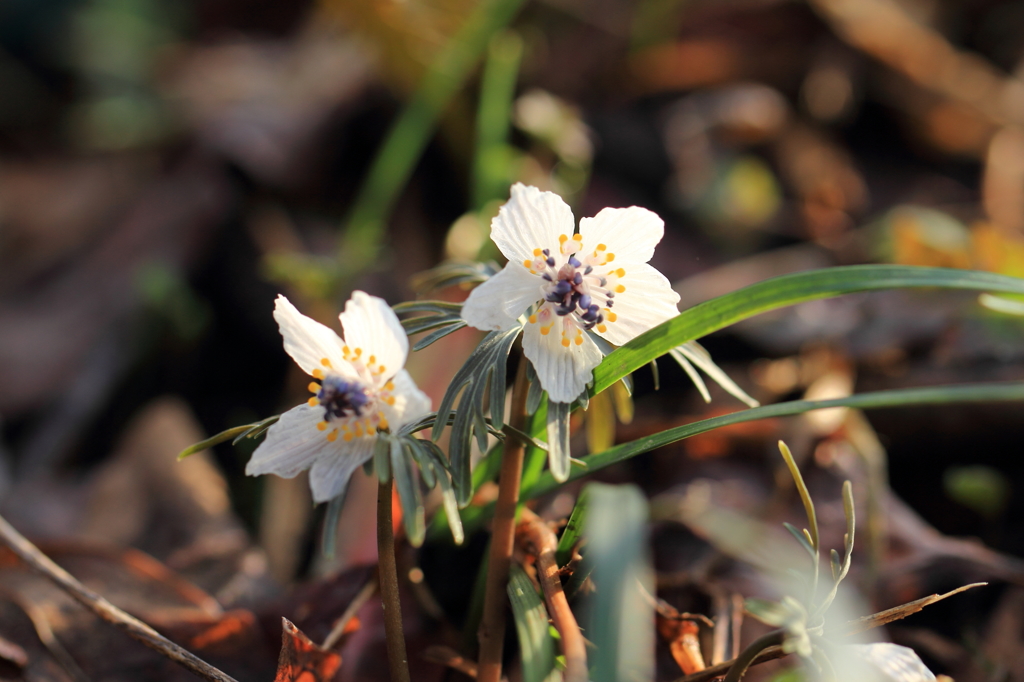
573, 531
558, 439
536, 646
938, 395
412, 130
234, 434
779, 292
800, 537
413, 513
805, 495
437, 335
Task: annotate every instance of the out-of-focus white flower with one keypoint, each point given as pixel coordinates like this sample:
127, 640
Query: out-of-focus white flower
568, 284
360, 389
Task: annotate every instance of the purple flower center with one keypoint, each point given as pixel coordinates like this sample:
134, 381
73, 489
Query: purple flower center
341, 398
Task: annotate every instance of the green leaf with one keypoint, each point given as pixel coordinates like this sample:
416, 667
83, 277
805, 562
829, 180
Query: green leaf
413, 514
536, 646
621, 621
233, 434
573, 531
779, 292
414, 126
969, 393
558, 439
485, 366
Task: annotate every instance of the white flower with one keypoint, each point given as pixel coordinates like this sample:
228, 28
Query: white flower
361, 388
569, 283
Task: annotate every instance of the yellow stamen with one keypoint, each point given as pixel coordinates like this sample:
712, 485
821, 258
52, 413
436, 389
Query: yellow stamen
619, 289
602, 328
322, 426
318, 374
347, 436
565, 342
611, 317
601, 247
359, 351
373, 358
325, 362
313, 387
381, 369
533, 319
528, 263
545, 330
382, 422
609, 257
390, 386
579, 340
620, 273
390, 400
333, 435
562, 239
313, 402
537, 253
359, 429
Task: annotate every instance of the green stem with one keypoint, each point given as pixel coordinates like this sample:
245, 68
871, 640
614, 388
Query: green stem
398, 661
745, 659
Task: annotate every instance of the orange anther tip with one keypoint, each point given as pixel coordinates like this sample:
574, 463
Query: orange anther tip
579, 340
602, 328
620, 272
313, 402
332, 436
318, 374
601, 247
609, 257
619, 289
528, 263
322, 426
533, 319
562, 239
325, 362
537, 252
565, 342
347, 436
313, 387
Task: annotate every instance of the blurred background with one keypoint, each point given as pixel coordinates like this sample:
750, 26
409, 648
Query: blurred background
167, 168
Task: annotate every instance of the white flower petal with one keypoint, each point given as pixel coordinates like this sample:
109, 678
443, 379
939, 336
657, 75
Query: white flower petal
530, 220
370, 324
497, 303
330, 474
306, 340
292, 444
630, 233
563, 372
410, 402
647, 302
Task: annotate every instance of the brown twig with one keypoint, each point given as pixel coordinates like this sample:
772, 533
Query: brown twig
534, 536
367, 591
492, 624
387, 573
447, 656
708, 674
130, 625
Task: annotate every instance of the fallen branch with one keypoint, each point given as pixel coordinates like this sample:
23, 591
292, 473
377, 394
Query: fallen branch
368, 590
534, 536
130, 625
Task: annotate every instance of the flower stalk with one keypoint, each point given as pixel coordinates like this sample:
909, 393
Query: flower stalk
492, 624
398, 660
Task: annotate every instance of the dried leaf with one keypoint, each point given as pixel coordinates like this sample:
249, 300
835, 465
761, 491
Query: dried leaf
301, 660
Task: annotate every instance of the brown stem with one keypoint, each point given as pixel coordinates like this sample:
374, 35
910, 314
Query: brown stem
492, 624
130, 625
387, 570
535, 537
750, 655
